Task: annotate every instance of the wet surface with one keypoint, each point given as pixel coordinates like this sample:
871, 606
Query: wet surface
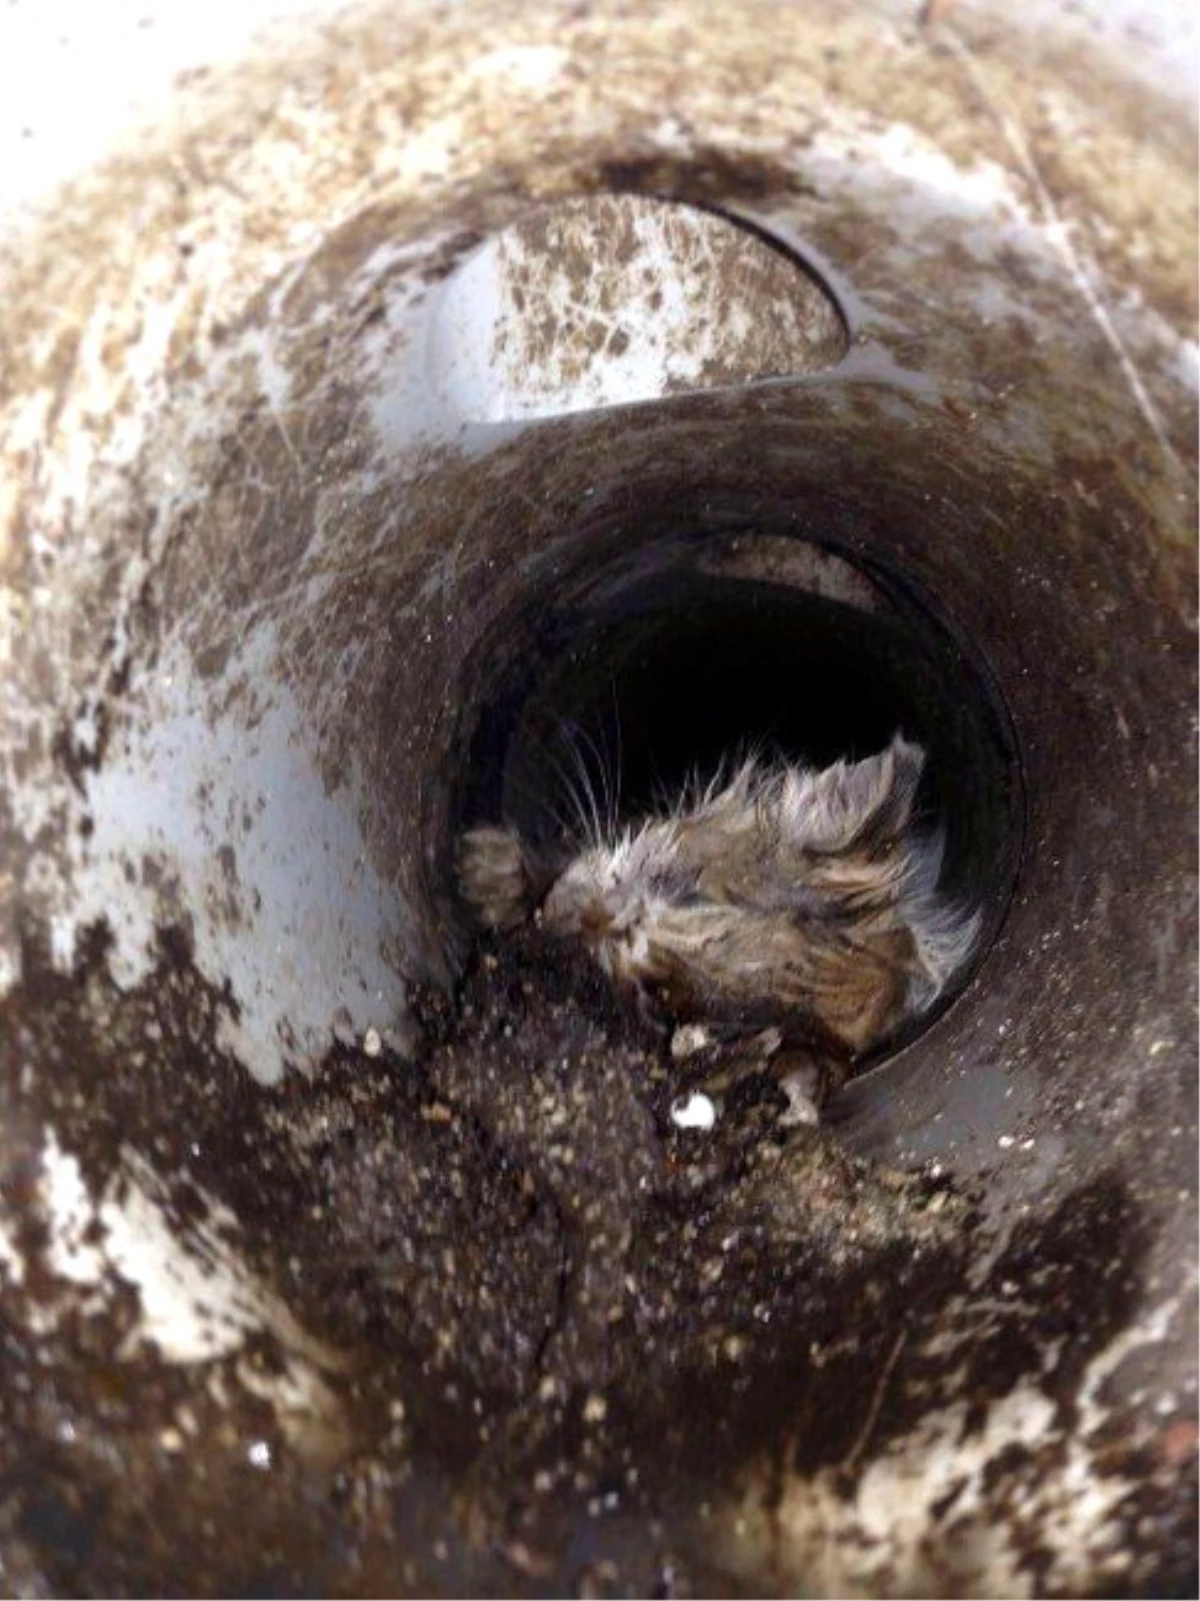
508, 1244
527, 1287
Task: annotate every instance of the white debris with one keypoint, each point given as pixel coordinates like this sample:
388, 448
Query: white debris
12, 1263
372, 1043
800, 1089
595, 1408
694, 1111
688, 1039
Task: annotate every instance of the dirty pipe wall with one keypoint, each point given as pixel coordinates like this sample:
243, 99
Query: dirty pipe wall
269, 530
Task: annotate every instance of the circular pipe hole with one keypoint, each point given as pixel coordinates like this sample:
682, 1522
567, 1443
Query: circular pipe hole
313, 584
645, 680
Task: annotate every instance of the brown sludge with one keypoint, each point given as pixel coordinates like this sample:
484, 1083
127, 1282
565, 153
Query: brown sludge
538, 1285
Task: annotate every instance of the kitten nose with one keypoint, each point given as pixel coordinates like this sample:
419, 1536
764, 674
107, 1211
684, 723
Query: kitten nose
596, 922
568, 913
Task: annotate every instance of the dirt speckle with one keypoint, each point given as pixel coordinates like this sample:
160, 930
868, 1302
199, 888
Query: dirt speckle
506, 1241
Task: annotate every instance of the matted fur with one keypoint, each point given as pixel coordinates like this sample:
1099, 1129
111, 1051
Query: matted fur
780, 890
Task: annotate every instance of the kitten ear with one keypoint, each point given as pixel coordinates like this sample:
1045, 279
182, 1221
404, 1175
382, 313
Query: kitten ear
907, 763
832, 810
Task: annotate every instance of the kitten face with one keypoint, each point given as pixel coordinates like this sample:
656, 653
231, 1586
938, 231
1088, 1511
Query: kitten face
610, 896
807, 892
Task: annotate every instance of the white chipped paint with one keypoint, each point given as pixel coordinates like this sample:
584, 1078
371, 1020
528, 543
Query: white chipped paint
1156, 41
897, 172
679, 327
71, 1215
892, 1513
12, 1263
77, 79
881, 1539
390, 357
1152, 1329
198, 1301
1186, 359
530, 66
174, 792
994, 208
981, 190
303, 862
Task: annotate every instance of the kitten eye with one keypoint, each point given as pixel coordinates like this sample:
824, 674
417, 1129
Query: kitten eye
672, 886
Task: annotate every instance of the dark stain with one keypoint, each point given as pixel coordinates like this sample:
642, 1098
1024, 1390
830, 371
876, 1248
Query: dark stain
76, 755
706, 173
381, 1201
749, 1306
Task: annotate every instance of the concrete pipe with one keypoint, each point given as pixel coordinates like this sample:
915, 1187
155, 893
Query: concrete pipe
414, 398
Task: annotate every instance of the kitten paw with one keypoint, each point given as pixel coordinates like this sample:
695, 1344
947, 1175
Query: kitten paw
493, 878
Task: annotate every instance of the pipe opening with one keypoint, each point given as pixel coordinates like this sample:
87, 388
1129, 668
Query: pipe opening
626, 690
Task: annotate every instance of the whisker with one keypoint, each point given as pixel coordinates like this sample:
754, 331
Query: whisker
605, 796
555, 796
582, 789
619, 768
575, 798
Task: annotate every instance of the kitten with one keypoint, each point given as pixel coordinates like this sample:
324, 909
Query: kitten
785, 899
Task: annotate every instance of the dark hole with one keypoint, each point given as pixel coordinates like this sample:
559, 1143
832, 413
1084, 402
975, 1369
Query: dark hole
683, 686
629, 694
